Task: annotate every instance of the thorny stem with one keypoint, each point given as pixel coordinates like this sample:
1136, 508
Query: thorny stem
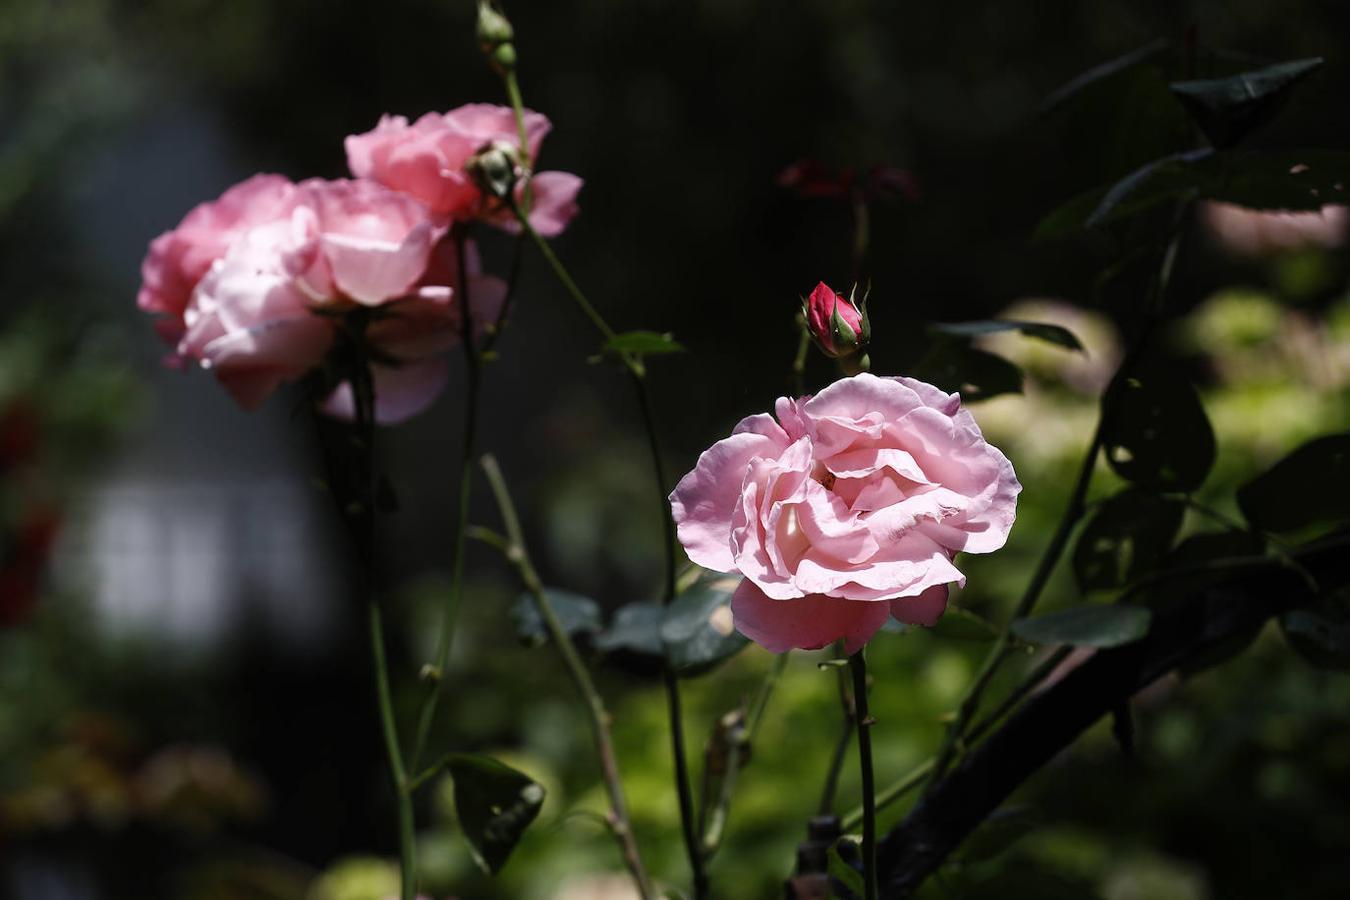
850, 717
472, 385
363, 392
858, 666
600, 718
688, 822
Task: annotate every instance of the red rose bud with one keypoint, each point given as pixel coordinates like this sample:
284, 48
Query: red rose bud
838, 325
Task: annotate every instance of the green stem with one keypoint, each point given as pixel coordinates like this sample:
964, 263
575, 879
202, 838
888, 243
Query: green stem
363, 393
858, 666
799, 361
850, 716
688, 820
595, 706
473, 382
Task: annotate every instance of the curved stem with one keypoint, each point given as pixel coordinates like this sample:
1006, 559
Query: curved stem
850, 716
473, 381
858, 666
599, 716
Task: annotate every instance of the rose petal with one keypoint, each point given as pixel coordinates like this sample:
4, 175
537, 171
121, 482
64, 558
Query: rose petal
805, 623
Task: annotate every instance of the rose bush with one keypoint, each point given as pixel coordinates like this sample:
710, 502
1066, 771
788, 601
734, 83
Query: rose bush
845, 510
427, 158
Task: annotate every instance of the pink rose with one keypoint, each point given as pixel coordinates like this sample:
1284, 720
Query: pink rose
178, 259
336, 246
838, 327
1257, 232
846, 510
427, 160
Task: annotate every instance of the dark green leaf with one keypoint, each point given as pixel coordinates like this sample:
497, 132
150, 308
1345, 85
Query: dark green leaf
1127, 535
1228, 109
1151, 183
697, 630
976, 374
495, 804
849, 878
642, 342
1086, 626
1102, 72
576, 614
1003, 828
1157, 434
1321, 639
1308, 488
1054, 334
635, 629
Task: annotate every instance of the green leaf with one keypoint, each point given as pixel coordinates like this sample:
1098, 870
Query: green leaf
1127, 536
1086, 626
495, 804
642, 342
1308, 488
636, 628
1003, 828
578, 615
1228, 109
1150, 184
697, 629
976, 374
1157, 434
1102, 72
1054, 334
848, 877
1321, 639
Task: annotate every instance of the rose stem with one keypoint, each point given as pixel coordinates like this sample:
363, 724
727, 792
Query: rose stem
473, 382
1073, 512
671, 682
363, 393
858, 666
846, 705
515, 551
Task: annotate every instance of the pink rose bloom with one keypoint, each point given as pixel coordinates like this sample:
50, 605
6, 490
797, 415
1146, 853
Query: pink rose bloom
179, 259
1258, 232
846, 510
336, 246
427, 160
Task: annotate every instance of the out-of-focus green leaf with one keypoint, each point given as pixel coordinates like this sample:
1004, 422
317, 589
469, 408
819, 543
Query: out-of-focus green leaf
495, 804
1086, 626
1101, 72
578, 615
1320, 638
1157, 434
1004, 827
958, 624
1127, 535
642, 342
1228, 109
976, 374
1308, 488
697, 629
1054, 334
849, 878
1278, 179
636, 628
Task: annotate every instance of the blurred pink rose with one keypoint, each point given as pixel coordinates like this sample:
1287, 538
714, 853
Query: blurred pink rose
1256, 232
291, 251
820, 309
426, 159
846, 510
178, 259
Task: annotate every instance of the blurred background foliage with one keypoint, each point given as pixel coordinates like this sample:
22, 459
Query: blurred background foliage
185, 711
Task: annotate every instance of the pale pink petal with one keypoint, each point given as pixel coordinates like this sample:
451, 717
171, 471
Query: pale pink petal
705, 499
372, 272
805, 623
400, 393
554, 201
